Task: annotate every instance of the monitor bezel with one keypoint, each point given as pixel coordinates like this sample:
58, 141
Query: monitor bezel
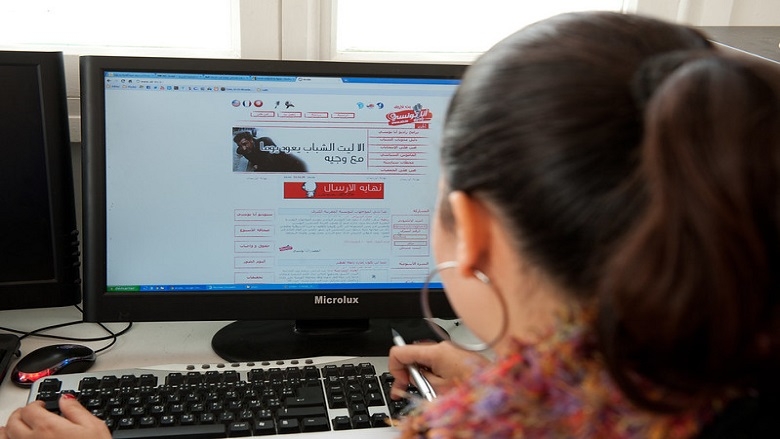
224, 305
64, 288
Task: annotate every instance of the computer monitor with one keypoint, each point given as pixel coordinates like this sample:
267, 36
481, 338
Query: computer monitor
38, 231
295, 197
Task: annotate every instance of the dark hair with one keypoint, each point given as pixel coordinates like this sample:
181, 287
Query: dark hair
241, 135
549, 127
545, 126
690, 298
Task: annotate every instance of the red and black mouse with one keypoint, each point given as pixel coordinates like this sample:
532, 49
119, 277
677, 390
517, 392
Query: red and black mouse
52, 360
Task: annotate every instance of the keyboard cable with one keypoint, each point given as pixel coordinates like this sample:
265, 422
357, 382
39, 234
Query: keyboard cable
113, 336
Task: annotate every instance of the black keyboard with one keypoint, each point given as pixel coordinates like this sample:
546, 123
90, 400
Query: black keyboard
321, 397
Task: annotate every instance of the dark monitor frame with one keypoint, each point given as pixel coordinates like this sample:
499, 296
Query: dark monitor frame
272, 307
63, 288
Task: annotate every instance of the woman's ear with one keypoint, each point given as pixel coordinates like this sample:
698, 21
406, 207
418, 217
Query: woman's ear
472, 222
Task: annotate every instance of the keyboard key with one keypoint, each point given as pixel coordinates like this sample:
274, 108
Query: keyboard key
289, 426
342, 423
367, 368
306, 396
109, 382
358, 409
374, 399
300, 412
361, 421
207, 418
125, 423
147, 380
338, 402
188, 431
128, 380
380, 420
50, 385
319, 423
174, 379
89, 383
238, 429
311, 372
264, 427
52, 405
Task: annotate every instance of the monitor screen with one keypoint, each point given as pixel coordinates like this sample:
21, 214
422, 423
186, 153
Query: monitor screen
295, 197
38, 232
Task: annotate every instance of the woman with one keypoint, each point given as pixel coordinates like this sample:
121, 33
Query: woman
616, 180
608, 213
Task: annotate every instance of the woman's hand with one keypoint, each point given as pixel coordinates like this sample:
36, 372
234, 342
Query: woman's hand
34, 421
442, 364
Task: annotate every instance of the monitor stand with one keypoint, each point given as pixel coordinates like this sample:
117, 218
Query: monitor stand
244, 341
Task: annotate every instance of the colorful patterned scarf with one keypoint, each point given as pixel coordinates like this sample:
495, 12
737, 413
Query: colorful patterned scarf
556, 388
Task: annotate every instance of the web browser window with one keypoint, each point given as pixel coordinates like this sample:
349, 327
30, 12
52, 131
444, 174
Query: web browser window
268, 182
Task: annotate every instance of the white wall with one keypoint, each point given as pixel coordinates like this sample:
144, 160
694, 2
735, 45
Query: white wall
713, 12
756, 12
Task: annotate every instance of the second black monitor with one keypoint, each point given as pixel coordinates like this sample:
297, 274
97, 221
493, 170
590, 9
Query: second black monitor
39, 263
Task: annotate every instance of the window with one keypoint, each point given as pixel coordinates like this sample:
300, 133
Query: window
274, 29
449, 30
140, 27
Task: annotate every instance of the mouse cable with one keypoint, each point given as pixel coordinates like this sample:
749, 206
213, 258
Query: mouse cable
38, 332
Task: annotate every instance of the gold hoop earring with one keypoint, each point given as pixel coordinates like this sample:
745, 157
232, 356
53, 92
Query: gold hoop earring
426, 307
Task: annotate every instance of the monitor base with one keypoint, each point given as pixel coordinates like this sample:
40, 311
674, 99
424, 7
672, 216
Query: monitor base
243, 341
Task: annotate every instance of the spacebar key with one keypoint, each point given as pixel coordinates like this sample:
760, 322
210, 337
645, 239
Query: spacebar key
179, 432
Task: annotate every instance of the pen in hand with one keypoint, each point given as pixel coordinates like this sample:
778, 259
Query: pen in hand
419, 380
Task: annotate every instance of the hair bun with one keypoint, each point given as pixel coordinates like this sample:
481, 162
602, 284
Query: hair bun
652, 72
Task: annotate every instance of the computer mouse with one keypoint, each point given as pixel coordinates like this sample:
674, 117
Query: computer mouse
52, 360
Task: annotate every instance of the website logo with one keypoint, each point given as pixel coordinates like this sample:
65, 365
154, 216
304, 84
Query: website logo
416, 114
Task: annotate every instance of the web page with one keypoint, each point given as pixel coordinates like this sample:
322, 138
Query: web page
226, 182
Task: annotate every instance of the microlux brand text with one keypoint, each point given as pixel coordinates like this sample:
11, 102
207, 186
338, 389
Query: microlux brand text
343, 300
